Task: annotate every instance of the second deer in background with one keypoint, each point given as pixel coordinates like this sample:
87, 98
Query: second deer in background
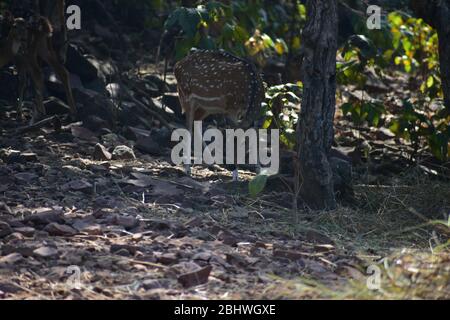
23, 43
217, 82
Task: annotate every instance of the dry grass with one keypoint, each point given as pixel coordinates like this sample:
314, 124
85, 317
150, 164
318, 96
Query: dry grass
402, 227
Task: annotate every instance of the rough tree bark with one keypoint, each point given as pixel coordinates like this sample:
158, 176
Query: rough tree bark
437, 14
315, 129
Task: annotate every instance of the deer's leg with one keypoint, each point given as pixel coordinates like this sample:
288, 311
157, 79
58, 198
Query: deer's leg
190, 112
38, 82
258, 163
22, 86
51, 57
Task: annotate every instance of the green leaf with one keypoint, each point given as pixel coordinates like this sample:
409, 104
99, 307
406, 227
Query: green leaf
257, 185
430, 81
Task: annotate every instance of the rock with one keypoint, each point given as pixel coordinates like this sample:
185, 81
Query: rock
341, 153
23, 250
10, 156
28, 157
26, 177
132, 133
159, 225
237, 260
45, 252
55, 106
162, 136
317, 237
10, 259
111, 140
5, 208
26, 231
105, 69
60, 230
96, 124
95, 104
148, 145
385, 134
126, 222
56, 87
101, 153
228, 238
156, 80
9, 288
168, 259
78, 185
88, 227
120, 248
123, 153
195, 278
83, 134
288, 254
113, 90
5, 229
152, 284
171, 100
44, 217
342, 177
80, 65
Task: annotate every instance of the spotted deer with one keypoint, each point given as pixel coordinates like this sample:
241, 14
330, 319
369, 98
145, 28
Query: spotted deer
217, 82
24, 42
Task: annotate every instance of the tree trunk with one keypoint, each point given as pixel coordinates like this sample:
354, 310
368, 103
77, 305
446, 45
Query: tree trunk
437, 14
315, 129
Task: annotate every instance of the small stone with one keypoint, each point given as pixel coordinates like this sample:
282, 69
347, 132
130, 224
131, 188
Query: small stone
5, 229
11, 259
148, 145
126, 222
26, 231
26, 177
168, 259
101, 153
60, 230
44, 216
123, 153
78, 185
151, 284
288, 254
45, 252
195, 278
28, 157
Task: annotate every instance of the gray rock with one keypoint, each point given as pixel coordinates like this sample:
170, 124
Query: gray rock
5, 229
101, 153
123, 153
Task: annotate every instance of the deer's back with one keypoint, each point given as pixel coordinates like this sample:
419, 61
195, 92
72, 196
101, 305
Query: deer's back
219, 77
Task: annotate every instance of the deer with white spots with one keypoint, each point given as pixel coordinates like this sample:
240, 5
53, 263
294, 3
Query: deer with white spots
217, 82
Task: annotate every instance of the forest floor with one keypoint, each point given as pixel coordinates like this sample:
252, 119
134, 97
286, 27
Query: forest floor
72, 227
75, 228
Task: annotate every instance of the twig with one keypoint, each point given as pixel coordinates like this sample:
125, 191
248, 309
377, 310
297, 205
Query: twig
54, 120
146, 108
